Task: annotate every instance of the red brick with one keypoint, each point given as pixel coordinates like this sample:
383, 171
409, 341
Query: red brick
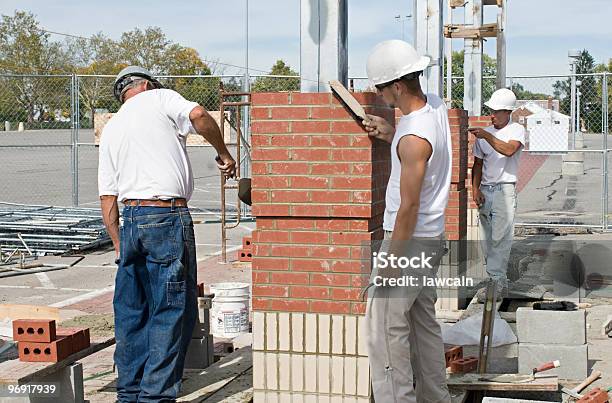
54, 351
330, 252
330, 196
265, 127
310, 237
309, 265
350, 266
364, 183
274, 210
361, 141
350, 294
351, 211
271, 236
347, 127
358, 308
270, 154
289, 196
290, 113
309, 182
330, 141
245, 255
452, 353
315, 126
337, 280
269, 98
260, 303
309, 292
270, 291
80, 337
293, 224
309, 154
284, 305
34, 330
358, 155
330, 113
464, 365
289, 278
259, 168
362, 197
247, 242
288, 168
595, 395
260, 277
330, 169
290, 141
330, 307
260, 196
290, 251
260, 140
309, 211
314, 98
260, 113
350, 238
333, 225
273, 263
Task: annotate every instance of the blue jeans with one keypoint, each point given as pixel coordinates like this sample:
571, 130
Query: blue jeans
155, 302
496, 223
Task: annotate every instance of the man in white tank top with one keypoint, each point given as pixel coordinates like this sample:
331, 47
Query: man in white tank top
404, 339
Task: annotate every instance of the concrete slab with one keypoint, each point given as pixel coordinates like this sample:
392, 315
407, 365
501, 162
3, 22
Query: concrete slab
551, 327
574, 359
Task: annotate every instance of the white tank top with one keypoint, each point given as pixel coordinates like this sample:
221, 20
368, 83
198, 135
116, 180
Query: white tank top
430, 123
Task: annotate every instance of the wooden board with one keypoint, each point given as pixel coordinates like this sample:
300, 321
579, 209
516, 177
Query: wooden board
16, 311
471, 382
19, 372
348, 99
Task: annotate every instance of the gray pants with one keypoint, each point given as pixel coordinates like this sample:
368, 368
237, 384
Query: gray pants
405, 345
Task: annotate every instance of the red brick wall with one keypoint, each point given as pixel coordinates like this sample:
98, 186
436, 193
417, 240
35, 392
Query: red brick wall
456, 211
318, 193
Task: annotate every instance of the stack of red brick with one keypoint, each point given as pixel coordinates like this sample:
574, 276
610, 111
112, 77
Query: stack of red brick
40, 340
456, 211
475, 121
246, 253
457, 362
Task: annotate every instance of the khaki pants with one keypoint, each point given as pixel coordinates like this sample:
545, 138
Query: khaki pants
405, 345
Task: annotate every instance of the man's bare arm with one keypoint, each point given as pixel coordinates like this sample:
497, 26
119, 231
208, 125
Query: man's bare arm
413, 152
110, 216
206, 126
504, 148
476, 179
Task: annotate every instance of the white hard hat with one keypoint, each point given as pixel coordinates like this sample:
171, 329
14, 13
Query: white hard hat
502, 99
130, 73
390, 60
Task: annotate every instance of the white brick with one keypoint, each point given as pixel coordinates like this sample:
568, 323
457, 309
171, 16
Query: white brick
310, 341
297, 332
336, 399
259, 371
259, 396
310, 370
363, 376
297, 372
337, 334
551, 327
362, 337
324, 399
350, 375
350, 335
271, 333
310, 398
324, 333
337, 374
259, 332
349, 399
324, 379
363, 400
284, 339
297, 398
284, 372
284, 397
271, 371
272, 397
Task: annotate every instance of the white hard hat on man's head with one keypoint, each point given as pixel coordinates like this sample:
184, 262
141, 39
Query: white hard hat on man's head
129, 74
502, 99
393, 59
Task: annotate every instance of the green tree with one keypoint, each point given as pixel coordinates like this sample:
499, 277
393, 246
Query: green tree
26, 49
522, 93
590, 97
275, 84
489, 69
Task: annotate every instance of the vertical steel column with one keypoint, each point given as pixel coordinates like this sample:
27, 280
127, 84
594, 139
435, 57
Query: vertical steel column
448, 50
74, 140
472, 61
429, 40
245, 164
323, 44
604, 95
501, 46
573, 103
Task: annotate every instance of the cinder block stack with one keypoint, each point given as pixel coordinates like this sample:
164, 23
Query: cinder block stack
200, 353
246, 253
39, 340
553, 335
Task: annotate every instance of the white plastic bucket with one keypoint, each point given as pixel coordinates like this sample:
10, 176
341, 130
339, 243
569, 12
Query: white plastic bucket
230, 309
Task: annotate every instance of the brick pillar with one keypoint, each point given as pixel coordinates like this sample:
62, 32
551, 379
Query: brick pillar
454, 263
318, 193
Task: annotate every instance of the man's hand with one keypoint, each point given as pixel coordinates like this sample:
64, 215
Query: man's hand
479, 132
379, 128
226, 165
478, 197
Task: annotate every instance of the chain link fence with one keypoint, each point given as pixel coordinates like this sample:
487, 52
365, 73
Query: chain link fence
49, 154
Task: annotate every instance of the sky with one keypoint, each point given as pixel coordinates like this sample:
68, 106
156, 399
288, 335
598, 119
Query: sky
539, 32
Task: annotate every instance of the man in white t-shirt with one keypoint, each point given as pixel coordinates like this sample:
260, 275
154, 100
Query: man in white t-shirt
143, 163
497, 151
404, 339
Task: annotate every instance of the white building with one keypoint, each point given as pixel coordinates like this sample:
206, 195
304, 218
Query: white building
547, 129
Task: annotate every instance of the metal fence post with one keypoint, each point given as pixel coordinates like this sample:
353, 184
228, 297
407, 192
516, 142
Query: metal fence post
604, 109
74, 149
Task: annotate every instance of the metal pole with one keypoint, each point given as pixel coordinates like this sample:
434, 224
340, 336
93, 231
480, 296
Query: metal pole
449, 60
604, 95
245, 165
578, 129
573, 103
73, 141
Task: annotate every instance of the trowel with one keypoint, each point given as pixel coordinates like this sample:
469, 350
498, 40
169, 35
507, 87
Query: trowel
516, 378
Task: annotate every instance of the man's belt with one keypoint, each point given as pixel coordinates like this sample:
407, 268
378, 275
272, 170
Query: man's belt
156, 203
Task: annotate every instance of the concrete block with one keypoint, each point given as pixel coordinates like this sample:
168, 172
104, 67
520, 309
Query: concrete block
577, 156
271, 371
324, 333
310, 342
259, 333
337, 374
362, 337
551, 327
337, 334
200, 353
350, 335
284, 373
350, 375
271, 331
297, 372
259, 373
284, 339
323, 373
297, 332
363, 376
310, 372
572, 168
573, 359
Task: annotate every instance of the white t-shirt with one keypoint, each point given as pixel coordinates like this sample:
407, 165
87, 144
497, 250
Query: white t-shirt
430, 123
143, 152
498, 168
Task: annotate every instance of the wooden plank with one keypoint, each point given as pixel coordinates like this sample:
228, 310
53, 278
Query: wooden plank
349, 100
467, 32
457, 3
19, 372
17, 311
471, 382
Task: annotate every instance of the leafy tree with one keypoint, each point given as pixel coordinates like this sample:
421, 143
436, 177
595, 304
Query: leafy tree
275, 84
590, 101
522, 93
489, 68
